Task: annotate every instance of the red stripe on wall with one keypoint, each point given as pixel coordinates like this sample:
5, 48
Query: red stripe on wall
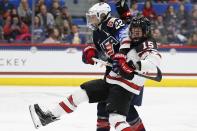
166, 45
50, 73
85, 73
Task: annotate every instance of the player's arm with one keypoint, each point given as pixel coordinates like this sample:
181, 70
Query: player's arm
123, 10
150, 60
90, 52
120, 30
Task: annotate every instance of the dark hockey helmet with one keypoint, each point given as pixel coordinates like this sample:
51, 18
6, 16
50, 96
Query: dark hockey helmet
140, 28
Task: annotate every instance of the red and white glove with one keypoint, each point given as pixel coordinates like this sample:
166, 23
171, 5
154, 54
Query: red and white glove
124, 69
88, 53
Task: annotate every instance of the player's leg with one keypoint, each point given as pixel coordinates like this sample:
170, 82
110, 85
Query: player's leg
133, 117
92, 91
68, 105
118, 104
134, 120
102, 117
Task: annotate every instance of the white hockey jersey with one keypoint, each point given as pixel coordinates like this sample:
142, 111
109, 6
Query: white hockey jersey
149, 58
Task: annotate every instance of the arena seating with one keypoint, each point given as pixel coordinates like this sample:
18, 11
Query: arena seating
78, 11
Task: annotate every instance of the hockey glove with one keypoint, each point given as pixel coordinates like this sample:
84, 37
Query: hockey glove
121, 67
123, 10
88, 53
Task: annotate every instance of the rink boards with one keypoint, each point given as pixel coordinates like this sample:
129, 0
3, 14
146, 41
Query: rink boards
76, 81
65, 68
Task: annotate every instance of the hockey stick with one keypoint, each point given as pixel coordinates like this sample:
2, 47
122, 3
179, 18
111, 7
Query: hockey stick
157, 78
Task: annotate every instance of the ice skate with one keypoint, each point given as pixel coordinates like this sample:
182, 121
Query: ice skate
39, 117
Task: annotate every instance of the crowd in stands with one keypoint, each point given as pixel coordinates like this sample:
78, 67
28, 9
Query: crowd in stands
47, 24
173, 26
52, 23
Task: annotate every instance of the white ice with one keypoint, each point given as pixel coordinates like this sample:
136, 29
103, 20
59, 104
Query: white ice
163, 109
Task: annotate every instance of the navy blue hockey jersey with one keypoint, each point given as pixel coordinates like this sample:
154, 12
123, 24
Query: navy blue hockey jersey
110, 37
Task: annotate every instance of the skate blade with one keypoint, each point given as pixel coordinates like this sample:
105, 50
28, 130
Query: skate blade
35, 118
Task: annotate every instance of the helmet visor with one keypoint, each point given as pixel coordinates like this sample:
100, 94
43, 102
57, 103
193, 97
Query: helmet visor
92, 21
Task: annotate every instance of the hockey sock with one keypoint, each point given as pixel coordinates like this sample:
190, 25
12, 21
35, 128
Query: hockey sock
119, 122
137, 125
103, 124
70, 103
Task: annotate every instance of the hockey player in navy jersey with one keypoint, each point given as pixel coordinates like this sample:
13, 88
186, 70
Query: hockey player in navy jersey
102, 115
117, 96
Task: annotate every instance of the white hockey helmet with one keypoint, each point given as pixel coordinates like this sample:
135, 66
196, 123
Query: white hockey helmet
97, 13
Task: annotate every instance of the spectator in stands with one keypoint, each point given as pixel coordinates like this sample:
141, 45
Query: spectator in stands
170, 35
75, 37
1, 33
158, 36
170, 15
15, 29
59, 20
66, 15
182, 21
14, 12
159, 24
47, 19
148, 10
134, 9
1, 29
38, 31
7, 21
25, 12
55, 9
170, 21
54, 36
5, 8
192, 22
193, 39
1, 21
39, 3
62, 15
60, 3
65, 30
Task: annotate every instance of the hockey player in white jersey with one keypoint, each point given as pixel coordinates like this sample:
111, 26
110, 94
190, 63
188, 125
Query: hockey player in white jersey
143, 56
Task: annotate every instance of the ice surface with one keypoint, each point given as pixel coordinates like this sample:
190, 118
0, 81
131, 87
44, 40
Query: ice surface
163, 109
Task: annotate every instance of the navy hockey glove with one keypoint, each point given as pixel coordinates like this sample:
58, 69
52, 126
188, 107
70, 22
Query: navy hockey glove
120, 66
89, 53
123, 10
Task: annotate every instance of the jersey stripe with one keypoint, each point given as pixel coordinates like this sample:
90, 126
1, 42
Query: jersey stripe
124, 83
